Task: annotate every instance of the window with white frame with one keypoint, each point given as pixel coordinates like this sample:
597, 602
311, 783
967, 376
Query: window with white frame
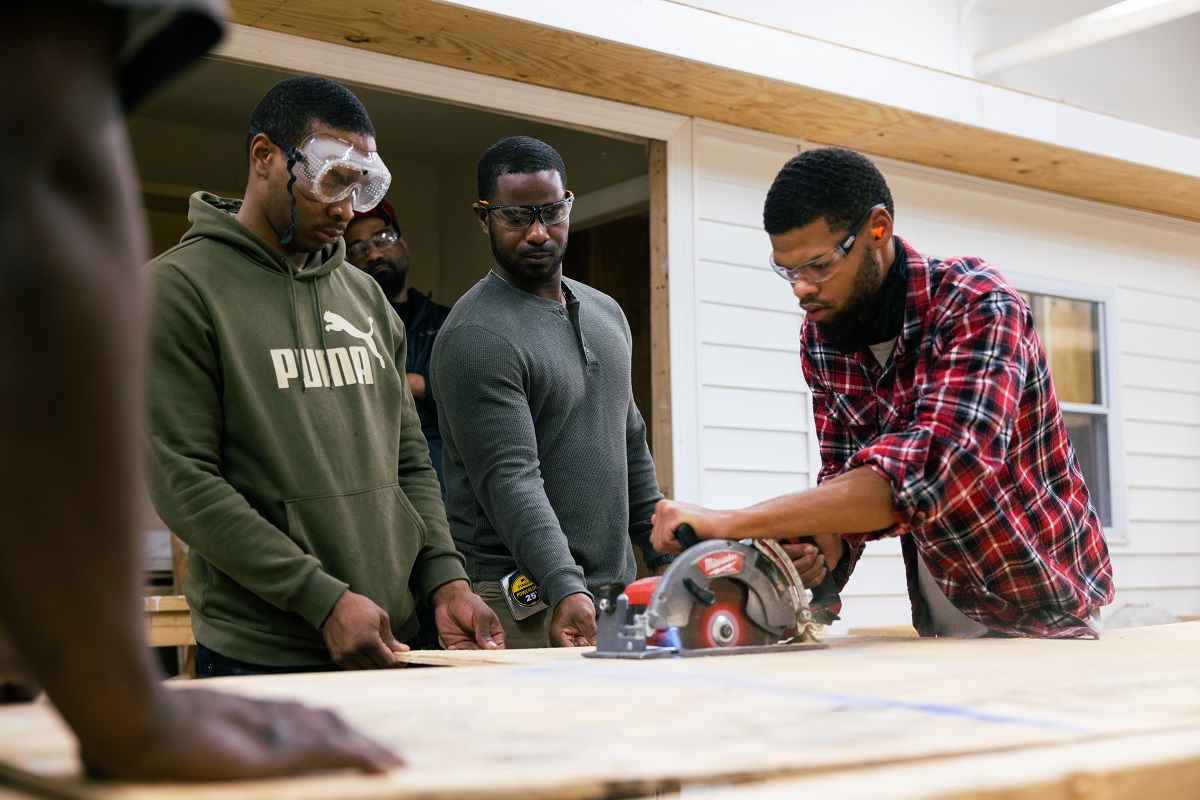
1073, 324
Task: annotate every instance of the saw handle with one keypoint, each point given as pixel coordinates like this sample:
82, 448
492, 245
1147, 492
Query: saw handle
686, 536
825, 593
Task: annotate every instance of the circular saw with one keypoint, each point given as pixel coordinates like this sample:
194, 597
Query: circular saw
718, 597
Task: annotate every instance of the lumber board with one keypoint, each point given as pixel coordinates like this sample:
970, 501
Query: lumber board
552, 724
523, 50
900, 631
168, 621
1164, 765
483, 658
661, 415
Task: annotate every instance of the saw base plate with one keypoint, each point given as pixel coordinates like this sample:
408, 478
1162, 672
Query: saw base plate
671, 652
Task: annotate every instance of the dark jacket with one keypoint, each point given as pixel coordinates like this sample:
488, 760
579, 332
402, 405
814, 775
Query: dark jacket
425, 319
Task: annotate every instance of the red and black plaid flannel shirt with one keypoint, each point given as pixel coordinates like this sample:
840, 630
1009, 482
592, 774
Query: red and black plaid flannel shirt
963, 422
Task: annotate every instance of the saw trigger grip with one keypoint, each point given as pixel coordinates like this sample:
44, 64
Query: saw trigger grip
826, 599
686, 536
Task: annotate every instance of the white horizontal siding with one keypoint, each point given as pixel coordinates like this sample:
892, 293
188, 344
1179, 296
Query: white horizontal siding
1157, 439
741, 157
749, 327
731, 203
1161, 392
1164, 538
1157, 405
877, 593
754, 409
1157, 372
745, 287
753, 403
730, 488
754, 423
1144, 304
1176, 600
1149, 571
1165, 505
751, 368
1158, 340
728, 243
754, 450
878, 573
1155, 472
873, 612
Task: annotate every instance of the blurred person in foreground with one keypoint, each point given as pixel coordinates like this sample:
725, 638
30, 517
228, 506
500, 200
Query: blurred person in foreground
72, 333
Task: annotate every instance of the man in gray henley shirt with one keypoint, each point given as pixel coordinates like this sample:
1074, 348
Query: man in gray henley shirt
546, 465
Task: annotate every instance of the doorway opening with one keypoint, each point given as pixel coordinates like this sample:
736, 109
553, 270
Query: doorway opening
191, 137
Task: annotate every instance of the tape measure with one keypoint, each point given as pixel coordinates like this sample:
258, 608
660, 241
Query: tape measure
522, 594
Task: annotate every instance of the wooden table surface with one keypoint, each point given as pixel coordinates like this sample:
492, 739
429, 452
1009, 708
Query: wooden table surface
868, 717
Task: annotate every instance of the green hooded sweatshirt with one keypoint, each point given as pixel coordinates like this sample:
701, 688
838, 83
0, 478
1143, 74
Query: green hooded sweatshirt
284, 445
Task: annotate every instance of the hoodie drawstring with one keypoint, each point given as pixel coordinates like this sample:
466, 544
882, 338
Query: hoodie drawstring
296, 324
316, 292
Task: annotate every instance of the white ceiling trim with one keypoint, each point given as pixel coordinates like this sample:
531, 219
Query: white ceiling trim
1106, 24
611, 201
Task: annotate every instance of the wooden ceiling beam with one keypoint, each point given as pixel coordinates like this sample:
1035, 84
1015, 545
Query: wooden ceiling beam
522, 50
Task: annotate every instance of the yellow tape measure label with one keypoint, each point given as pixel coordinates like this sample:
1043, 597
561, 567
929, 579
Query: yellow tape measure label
522, 595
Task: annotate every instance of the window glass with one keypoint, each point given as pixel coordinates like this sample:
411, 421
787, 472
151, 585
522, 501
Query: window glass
1089, 435
1070, 332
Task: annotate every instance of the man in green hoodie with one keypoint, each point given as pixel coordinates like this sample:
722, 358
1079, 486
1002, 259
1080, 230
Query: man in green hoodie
285, 446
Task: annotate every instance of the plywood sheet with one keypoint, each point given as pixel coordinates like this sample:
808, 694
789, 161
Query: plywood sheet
1126, 768
557, 725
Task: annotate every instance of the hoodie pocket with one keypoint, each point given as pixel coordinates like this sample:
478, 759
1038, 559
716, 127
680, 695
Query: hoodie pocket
368, 539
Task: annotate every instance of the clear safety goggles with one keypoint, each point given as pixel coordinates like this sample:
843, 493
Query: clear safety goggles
332, 169
521, 217
822, 268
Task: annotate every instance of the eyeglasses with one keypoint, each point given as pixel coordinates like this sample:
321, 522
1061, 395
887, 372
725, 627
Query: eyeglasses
520, 217
824, 267
380, 240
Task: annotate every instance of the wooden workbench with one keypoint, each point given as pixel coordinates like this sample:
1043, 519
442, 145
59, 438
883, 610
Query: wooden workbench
869, 717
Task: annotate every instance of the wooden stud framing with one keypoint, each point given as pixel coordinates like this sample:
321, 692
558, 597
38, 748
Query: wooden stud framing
660, 322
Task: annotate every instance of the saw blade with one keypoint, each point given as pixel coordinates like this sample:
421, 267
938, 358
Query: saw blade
725, 623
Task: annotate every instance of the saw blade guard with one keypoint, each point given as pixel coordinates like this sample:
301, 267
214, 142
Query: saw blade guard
774, 601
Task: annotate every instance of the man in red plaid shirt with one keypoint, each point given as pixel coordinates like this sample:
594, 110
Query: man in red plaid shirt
937, 421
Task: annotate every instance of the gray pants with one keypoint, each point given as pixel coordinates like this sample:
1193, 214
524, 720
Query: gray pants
528, 633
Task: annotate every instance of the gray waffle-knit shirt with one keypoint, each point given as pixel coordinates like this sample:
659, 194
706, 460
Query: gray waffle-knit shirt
545, 454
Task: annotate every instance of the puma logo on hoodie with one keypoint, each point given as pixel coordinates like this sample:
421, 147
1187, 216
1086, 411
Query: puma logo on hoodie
337, 366
339, 323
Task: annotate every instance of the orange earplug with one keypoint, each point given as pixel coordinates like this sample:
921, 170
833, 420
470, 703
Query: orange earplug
878, 231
